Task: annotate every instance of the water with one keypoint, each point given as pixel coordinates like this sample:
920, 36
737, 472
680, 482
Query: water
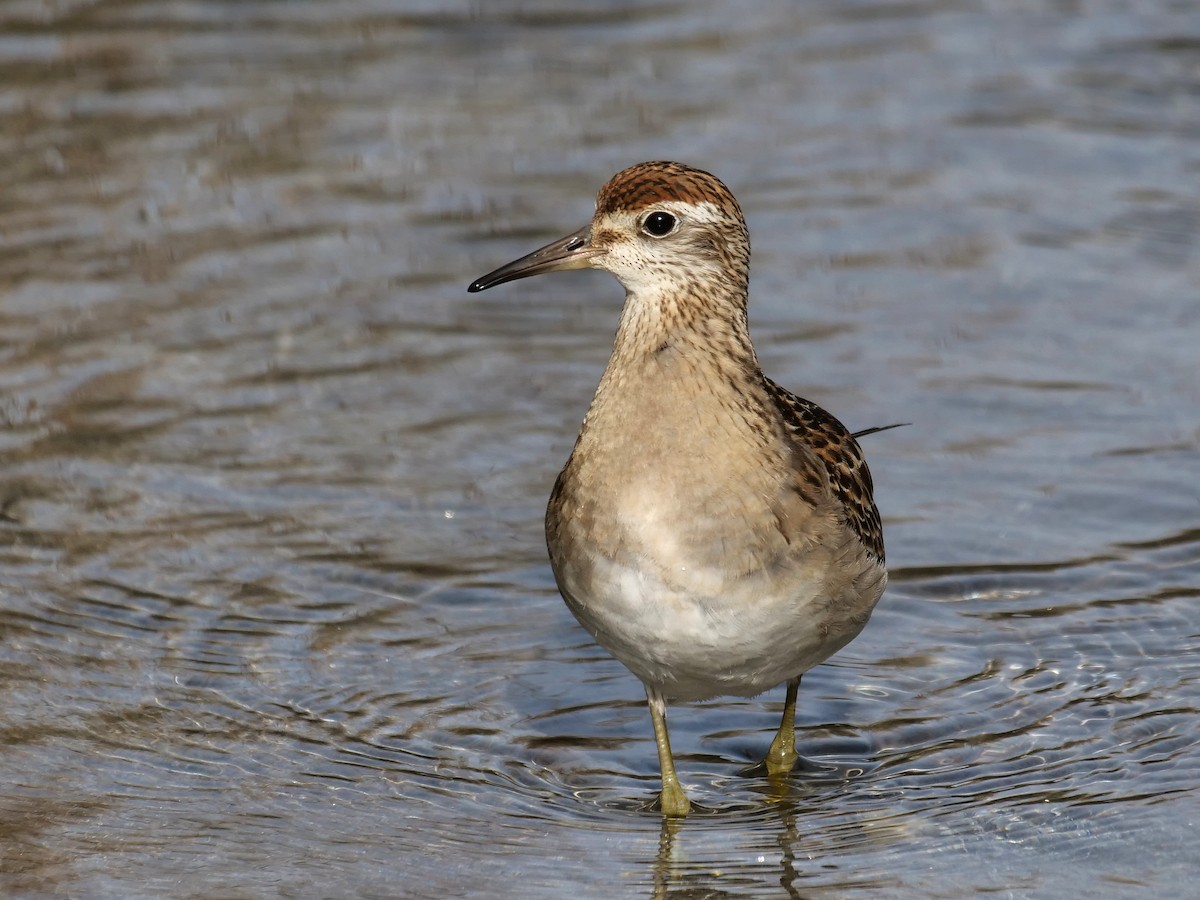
277, 616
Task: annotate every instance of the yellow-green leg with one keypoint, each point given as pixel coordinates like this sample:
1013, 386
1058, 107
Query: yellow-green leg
782, 756
673, 800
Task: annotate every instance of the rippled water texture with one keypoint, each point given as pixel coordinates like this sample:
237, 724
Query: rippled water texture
277, 617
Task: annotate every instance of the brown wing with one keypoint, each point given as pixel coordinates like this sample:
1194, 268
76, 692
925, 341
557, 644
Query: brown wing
843, 458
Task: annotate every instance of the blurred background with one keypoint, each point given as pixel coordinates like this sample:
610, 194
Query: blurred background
276, 613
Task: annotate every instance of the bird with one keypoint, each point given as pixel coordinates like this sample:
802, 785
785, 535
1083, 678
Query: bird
714, 532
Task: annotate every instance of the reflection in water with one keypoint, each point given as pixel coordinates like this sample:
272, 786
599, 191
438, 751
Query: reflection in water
276, 611
787, 861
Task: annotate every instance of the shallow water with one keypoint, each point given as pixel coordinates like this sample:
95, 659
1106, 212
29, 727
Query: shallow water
277, 615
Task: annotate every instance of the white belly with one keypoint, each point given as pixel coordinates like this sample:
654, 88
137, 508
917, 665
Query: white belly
693, 644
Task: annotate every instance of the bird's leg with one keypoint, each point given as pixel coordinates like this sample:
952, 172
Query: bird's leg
782, 756
673, 800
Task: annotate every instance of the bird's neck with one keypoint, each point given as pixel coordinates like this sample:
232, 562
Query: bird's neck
703, 320
676, 356
682, 383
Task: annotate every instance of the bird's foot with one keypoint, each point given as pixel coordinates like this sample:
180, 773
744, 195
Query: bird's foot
673, 802
780, 760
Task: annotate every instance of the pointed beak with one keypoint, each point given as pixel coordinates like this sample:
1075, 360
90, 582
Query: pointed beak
574, 251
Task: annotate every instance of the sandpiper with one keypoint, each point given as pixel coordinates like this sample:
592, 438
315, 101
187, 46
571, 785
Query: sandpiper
714, 532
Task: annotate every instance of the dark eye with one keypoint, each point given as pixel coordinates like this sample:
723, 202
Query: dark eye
658, 224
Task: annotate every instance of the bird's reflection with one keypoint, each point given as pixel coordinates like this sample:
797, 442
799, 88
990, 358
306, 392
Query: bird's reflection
785, 803
675, 879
